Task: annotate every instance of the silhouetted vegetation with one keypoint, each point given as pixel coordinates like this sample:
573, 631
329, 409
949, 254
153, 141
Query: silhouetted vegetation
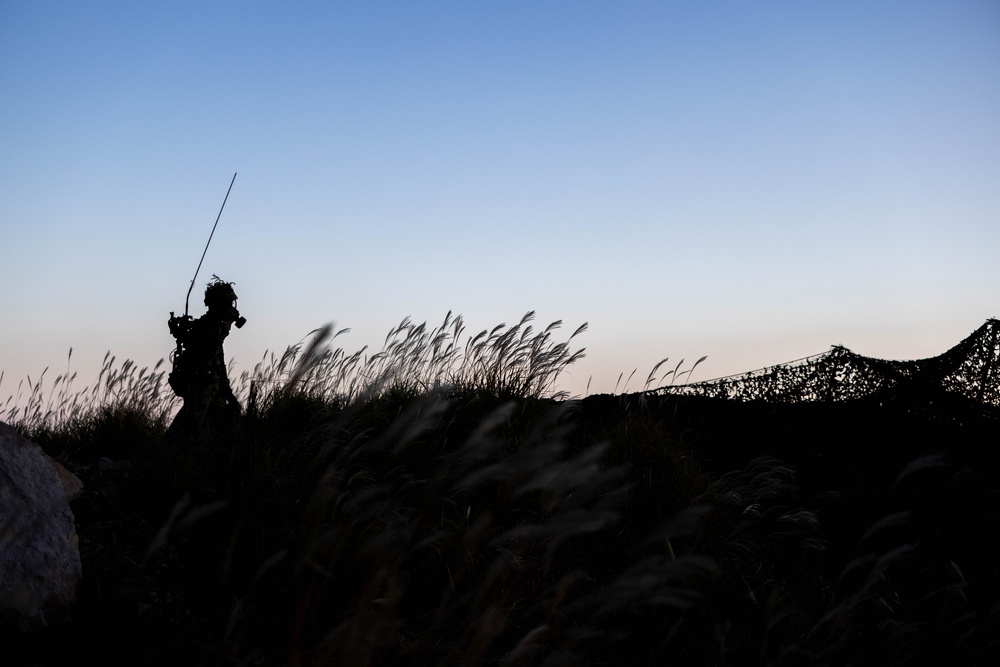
436, 503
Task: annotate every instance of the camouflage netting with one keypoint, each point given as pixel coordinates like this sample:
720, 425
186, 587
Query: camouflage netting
971, 368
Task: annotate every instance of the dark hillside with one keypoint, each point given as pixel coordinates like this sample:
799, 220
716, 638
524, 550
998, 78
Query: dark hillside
797, 525
898, 470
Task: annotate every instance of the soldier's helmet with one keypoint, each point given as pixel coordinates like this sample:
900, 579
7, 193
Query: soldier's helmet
220, 294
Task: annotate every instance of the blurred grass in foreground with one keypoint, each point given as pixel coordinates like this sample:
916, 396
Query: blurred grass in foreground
440, 503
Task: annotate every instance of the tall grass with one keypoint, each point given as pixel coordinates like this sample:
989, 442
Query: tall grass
127, 404
440, 502
513, 361
36, 406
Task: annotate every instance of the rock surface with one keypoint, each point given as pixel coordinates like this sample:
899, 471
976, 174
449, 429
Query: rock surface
39, 554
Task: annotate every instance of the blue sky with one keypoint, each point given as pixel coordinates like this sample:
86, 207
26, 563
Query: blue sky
749, 181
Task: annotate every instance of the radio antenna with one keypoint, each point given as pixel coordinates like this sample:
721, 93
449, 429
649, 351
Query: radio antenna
188, 297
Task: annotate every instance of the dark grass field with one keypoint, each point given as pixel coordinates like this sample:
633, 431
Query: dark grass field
490, 524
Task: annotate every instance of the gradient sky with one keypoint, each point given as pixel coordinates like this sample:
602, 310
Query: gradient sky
752, 181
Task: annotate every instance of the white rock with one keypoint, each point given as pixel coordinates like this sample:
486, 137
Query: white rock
39, 552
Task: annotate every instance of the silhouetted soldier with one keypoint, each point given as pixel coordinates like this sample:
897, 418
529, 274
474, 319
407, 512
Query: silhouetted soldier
199, 373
